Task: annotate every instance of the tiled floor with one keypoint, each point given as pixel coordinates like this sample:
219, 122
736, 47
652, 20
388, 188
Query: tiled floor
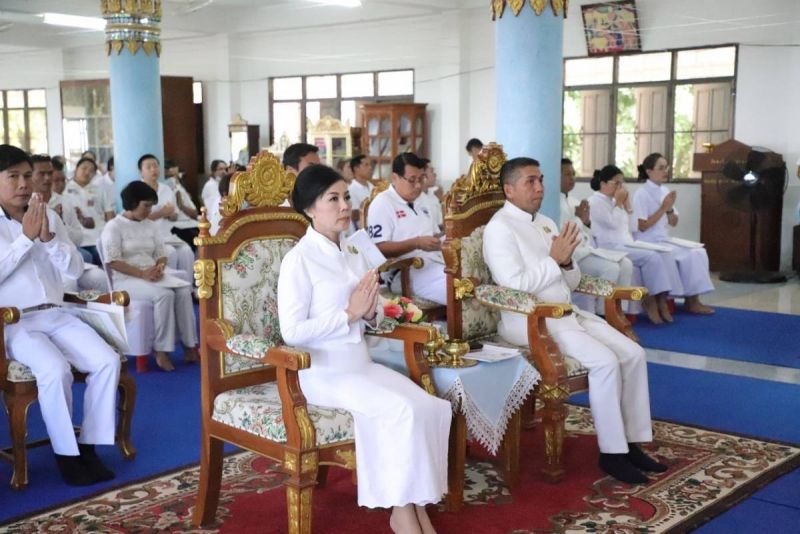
779, 298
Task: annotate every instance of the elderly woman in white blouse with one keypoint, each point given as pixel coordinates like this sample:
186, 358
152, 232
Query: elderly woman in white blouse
610, 212
654, 210
133, 248
324, 303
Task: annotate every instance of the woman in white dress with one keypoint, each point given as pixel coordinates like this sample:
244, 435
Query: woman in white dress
133, 248
610, 212
654, 210
401, 431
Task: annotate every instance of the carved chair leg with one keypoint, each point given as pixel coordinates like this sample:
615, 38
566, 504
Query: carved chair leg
528, 413
18, 422
210, 480
127, 402
298, 504
322, 475
554, 416
457, 463
510, 450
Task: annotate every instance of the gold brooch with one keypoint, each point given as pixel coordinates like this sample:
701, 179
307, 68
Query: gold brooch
546, 229
352, 250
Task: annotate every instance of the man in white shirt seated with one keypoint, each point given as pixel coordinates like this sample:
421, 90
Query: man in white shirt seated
403, 228
431, 196
92, 276
299, 156
93, 205
210, 193
360, 187
525, 251
46, 338
610, 265
185, 226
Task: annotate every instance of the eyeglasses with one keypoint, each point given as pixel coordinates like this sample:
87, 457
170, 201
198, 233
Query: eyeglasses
416, 182
663, 168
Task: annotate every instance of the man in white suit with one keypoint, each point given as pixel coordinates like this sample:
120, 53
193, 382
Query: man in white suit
525, 251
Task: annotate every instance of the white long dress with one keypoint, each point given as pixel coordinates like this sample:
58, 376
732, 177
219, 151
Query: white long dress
611, 228
139, 243
692, 262
401, 431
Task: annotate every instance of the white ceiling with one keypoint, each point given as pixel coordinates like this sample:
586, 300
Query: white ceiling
19, 30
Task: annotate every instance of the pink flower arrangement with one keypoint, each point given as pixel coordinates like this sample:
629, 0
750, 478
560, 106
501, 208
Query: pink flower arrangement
402, 310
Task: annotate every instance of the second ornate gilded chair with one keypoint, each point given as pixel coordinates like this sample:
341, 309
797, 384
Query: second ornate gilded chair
250, 389
474, 301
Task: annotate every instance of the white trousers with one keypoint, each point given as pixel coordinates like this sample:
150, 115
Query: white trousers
693, 270
618, 391
181, 258
430, 282
657, 270
401, 431
48, 341
171, 308
620, 273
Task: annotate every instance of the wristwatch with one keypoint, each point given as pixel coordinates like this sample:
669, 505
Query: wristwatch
670, 211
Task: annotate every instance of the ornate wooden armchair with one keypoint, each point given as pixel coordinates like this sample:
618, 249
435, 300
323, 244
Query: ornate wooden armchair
250, 389
19, 392
473, 301
432, 310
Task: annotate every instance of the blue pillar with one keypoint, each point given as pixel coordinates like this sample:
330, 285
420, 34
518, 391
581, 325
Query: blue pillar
528, 80
133, 46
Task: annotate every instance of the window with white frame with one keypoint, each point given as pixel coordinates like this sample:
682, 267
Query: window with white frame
23, 119
297, 99
620, 109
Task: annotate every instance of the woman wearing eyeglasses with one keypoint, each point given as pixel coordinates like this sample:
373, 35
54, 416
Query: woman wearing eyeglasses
654, 211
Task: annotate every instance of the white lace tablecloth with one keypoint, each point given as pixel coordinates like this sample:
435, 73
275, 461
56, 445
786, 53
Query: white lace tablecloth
488, 394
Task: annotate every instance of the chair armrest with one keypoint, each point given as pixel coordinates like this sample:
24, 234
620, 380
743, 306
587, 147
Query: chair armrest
414, 338
513, 300
629, 293
600, 287
400, 264
121, 298
287, 358
8, 315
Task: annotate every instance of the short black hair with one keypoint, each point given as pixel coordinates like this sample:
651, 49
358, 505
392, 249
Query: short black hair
11, 155
356, 161
311, 183
426, 161
136, 192
294, 153
508, 172
566, 161
84, 160
474, 143
406, 158
86, 152
216, 163
224, 184
168, 163
58, 163
40, 158
606, 174
146, 157
110, 164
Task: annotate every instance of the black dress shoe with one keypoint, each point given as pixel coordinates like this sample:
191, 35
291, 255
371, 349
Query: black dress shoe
74, 471
619, 467
93, 463
638, 458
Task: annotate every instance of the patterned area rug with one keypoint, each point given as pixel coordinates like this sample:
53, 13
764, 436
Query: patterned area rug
709, 472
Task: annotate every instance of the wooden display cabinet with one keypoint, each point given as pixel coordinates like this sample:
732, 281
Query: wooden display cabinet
391, 129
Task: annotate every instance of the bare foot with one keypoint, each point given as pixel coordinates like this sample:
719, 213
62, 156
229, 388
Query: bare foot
693, 305
424, 520
651, 309
190, 354
663, 309
404, 520
163, 362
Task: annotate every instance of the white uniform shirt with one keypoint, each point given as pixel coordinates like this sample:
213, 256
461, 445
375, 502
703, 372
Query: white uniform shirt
568, 215
31, 271
93, 202
391, 218
517, 252
646, 202
434, 207
611, 224
137, 243
210, 193
74, 228
165, 196
359, 193
105, 182
184, 221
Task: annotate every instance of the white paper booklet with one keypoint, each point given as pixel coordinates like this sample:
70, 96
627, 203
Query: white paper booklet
108, 320
685, 243
360, 243
172, 282
649, 246
610, 255
493, 353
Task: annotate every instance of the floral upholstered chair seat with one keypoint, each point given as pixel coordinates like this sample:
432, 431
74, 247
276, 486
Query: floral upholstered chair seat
257, 409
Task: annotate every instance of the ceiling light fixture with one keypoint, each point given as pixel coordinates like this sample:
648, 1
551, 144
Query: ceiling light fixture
74, 21
343, 3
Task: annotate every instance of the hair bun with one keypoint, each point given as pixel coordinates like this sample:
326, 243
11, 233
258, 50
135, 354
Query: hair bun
595, 183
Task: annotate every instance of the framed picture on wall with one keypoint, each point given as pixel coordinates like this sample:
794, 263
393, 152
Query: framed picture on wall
611, 28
